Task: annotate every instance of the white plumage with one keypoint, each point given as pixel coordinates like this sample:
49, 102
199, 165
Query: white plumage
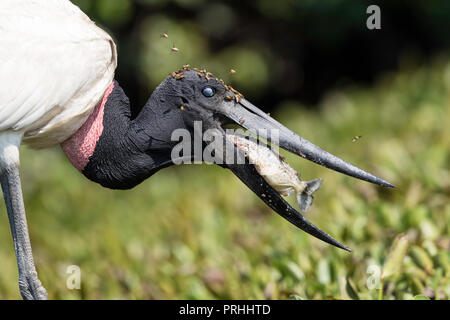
55, 65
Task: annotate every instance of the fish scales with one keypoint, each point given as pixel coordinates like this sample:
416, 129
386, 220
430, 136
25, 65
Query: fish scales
275, 171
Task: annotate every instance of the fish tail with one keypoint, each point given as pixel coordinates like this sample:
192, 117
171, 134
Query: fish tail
305, 198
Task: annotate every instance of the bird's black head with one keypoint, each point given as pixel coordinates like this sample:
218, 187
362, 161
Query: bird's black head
194, 95
190, 102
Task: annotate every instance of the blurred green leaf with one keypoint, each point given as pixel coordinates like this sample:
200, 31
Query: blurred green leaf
397, 253
295, 270
351, 290
323, 271
421, 258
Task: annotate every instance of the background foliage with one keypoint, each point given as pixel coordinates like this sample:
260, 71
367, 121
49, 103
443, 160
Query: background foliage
196, 232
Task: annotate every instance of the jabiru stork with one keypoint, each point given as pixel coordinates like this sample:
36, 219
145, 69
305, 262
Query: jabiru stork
57, 88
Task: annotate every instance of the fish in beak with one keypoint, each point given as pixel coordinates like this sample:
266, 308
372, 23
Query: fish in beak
275, 170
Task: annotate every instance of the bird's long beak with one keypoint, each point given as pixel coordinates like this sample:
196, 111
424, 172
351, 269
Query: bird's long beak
253, 119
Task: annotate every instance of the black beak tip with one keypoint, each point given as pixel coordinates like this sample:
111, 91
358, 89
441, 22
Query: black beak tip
337, 244
384, 183
346, 249
390, 185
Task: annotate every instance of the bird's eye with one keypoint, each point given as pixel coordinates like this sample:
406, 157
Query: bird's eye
208, 92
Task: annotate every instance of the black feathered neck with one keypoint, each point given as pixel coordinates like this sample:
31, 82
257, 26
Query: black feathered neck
129, 151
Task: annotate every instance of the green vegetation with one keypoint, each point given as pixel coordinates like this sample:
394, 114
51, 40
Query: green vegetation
196, 232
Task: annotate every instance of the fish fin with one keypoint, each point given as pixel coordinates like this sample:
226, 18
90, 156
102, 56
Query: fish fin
305, 198
287, 191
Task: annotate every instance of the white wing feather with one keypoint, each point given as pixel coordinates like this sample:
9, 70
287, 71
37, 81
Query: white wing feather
55, 66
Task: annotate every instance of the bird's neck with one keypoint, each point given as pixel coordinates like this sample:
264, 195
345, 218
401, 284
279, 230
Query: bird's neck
110, 148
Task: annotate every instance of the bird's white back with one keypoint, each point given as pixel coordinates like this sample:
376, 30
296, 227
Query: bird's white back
55, 67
